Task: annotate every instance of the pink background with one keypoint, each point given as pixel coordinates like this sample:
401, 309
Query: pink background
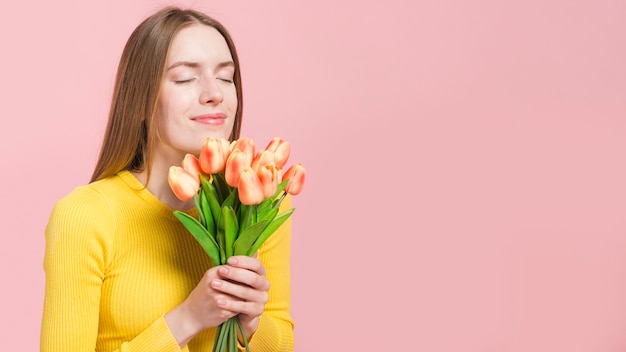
467, 178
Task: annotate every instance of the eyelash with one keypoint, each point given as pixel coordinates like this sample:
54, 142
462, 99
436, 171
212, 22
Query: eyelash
183, 81
191, 79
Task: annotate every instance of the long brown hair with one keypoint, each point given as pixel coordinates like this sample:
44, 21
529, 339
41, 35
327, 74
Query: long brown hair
131, 130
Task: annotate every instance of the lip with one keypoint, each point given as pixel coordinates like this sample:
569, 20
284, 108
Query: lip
210, 119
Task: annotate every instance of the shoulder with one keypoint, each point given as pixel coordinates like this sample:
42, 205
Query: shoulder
81, 199
86, 209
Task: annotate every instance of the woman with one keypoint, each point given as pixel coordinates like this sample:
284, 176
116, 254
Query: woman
122, 273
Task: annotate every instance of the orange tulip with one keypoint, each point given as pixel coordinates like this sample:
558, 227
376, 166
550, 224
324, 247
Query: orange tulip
183, 184
268, 175
213, 155
281, 149
296, 175
250, 189
191, 164
262, 159
244, 144
237, 161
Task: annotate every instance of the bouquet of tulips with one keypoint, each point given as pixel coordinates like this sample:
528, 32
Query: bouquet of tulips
237, 192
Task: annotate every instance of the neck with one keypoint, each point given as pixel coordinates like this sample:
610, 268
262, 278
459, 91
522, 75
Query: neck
160, 188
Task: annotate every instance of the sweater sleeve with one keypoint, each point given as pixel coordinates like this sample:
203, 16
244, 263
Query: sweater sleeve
275, 331
77, 254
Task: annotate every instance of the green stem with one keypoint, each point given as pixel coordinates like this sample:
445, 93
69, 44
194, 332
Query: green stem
280, 200
218, 339
243, 335
232, 338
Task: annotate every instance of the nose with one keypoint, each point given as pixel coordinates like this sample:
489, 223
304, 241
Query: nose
211, 92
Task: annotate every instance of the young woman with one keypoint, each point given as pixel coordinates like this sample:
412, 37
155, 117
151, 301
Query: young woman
122, 273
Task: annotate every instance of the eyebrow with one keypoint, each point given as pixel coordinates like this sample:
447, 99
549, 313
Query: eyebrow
196, 64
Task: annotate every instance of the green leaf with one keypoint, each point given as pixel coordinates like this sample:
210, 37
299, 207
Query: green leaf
245, 216
268, 212
205, 209
212, 198
221, 242
264, 207
231, 229
222, 187
247, 237
221, 236
204, 238
270, 229
196, 201
230, 201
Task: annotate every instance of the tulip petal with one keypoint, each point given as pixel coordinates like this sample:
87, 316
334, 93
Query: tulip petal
244, 144
281, 149
236, 162
191, 164
269, 180
263, 158
213, 155
250, 189
183, 184
296, 175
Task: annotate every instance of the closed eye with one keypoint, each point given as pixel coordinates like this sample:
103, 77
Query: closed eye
182, 81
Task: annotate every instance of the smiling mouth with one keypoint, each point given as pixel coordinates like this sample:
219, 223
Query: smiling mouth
210, 119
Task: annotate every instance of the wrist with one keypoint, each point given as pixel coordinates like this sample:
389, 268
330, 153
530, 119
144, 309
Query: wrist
181, 324
249, 328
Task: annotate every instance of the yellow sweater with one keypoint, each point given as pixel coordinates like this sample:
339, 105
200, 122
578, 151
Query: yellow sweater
117, 260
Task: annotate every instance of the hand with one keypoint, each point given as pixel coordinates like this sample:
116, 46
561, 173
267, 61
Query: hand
239, 287
243, 281
203, 309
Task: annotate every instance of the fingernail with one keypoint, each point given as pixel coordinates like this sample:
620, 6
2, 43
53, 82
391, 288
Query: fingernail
217, 283
221, 302
232, 261
223, 270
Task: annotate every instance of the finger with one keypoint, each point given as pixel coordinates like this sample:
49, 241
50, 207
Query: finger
252, 309
246, 262
244, 276
242, 292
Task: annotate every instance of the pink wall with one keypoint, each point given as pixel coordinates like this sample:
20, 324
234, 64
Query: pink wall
500, 225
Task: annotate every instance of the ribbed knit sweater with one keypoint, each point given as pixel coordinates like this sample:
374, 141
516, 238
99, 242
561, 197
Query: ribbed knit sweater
117, 260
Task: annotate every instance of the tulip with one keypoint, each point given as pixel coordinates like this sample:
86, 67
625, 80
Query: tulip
183, 184
191, 164
296, 175
250, 188
268, 175
237, 161
262, 159
213, 155
244, 144
281, 149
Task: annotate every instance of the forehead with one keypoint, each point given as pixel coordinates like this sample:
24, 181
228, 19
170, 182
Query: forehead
199, 43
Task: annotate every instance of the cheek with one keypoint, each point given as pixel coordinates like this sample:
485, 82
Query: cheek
163, 103
232, 100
